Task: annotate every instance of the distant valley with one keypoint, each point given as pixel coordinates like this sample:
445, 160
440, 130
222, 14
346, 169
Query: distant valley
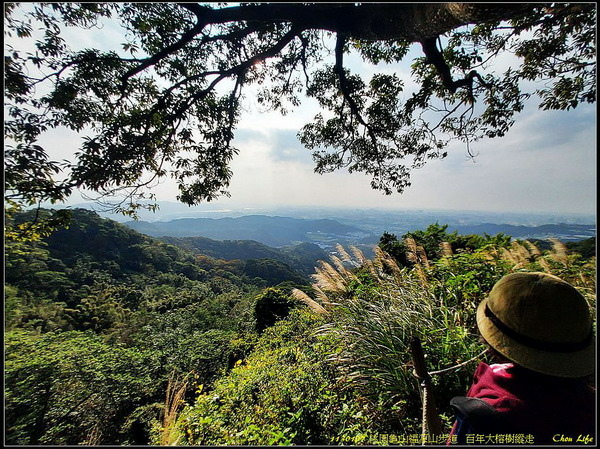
278, 232
271, 231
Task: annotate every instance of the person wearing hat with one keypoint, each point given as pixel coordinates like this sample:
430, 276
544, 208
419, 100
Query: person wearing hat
539, 328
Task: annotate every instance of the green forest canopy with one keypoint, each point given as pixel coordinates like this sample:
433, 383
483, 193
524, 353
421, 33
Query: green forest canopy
166, 102
102, 322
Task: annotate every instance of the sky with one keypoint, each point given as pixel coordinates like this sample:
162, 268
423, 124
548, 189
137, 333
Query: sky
545, 163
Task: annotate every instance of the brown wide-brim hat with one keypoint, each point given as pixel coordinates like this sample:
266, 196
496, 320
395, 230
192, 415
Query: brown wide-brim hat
540, 322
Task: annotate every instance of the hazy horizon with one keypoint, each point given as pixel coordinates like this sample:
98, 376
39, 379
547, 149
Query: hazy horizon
172, 210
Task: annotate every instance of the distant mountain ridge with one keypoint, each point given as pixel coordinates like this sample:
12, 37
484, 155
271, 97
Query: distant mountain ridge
119, 251
561, 231
277, 231
271, 231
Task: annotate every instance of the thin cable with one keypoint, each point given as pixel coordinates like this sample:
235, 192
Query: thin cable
434, 373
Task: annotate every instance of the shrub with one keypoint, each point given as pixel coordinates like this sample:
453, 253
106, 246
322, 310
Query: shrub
71, 388
271, 306
286, 392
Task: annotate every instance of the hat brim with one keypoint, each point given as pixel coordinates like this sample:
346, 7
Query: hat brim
561, 364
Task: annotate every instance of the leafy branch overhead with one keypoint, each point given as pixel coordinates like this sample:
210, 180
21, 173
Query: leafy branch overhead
167, 102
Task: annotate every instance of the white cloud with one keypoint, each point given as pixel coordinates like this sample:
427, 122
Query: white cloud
547, 162
537, 166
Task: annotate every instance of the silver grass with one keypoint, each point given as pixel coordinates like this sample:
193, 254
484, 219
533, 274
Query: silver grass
311, 303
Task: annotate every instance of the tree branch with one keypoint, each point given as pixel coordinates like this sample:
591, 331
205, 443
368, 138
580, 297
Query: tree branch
240, 68
181, 43
409, 21
339, 69
435, 58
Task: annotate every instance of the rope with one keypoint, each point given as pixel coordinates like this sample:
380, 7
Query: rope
424, 417
424, 383
460, 365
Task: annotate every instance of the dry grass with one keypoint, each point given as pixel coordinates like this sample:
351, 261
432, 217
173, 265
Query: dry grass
93, 437
545, 265
333, 279
533, 250
339, 265
446, 249
358, 255
345, 255
511, 257
322, 297
560, 253
173, 401
387, 261
360, 260
411, 254
416, 254
328, 278
311, 303
521, 253
423, 260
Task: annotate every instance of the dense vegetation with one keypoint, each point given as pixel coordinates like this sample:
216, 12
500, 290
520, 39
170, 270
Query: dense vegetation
113, 337
302, 256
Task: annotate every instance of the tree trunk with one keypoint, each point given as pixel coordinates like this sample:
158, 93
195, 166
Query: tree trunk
377, 21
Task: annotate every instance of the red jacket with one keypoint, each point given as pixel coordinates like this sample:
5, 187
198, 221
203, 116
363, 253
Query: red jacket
544, 408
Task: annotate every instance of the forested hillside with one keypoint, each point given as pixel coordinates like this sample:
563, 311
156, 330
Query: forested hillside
113, 337
301, 257
99, 316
